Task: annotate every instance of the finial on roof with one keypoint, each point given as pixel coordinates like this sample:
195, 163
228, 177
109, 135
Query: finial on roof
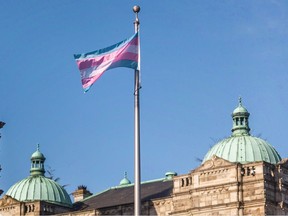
125, 180
240, 101
38, 147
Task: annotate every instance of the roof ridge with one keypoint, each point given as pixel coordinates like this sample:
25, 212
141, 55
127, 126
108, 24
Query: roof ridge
123, 186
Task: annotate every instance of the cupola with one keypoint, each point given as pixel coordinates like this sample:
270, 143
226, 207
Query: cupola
240, 117
37, 163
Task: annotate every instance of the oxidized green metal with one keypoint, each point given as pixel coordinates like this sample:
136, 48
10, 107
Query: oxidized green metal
37, 186
241, 146
125, 180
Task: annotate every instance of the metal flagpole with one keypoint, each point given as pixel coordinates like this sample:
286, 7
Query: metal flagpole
137, 168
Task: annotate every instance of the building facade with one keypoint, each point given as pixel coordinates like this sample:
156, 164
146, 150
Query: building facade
240, 175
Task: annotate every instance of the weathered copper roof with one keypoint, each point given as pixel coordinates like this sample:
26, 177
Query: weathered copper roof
241, 146
122, 195
39, 187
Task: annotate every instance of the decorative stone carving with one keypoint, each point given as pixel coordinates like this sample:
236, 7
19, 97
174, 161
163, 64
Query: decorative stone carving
7, 201
213, 163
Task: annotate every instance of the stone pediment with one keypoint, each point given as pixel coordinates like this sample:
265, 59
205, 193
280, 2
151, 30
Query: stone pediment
7, 201
214, 163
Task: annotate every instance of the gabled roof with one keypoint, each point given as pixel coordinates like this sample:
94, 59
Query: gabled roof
123, 195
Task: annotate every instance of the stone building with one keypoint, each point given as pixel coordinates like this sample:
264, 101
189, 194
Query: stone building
240, 175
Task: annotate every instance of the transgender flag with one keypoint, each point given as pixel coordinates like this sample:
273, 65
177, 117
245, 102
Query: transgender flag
93, 64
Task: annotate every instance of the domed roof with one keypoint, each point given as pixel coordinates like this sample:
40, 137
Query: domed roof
244, 149
37, 154
39, 187
241, 146
125, 180
240, 108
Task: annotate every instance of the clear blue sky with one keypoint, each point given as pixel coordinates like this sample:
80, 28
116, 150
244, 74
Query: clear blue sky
197, 58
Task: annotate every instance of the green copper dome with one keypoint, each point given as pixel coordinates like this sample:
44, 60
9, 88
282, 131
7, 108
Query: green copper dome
241, 146
125, 180
37, 186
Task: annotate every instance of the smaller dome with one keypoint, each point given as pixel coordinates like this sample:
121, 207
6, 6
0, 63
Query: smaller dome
125, 180
37, 163
37, 154
240, 108
240, 117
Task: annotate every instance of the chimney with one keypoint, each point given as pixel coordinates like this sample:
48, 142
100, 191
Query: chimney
81, 193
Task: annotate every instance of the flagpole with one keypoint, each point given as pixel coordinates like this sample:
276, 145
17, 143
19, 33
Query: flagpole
137, 168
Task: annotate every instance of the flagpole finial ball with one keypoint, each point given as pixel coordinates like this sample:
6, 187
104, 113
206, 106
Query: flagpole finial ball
136, 9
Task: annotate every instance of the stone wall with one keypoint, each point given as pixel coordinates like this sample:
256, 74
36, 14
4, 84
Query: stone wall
276, 188
162, 207
219, 187
10, 206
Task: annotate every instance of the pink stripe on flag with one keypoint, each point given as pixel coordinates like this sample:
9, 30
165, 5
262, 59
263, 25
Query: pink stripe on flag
86, 83
97, 60
104, 59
